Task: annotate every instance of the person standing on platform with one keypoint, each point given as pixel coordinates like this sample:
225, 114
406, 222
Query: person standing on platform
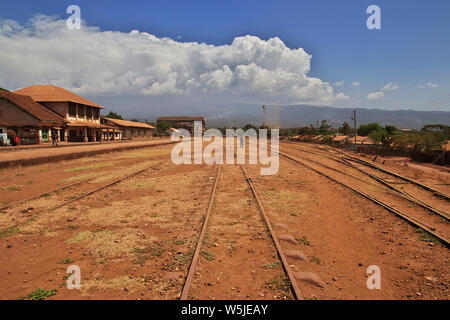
54, 138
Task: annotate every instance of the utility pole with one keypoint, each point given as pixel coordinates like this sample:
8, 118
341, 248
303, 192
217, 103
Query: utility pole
264, 116
356, 132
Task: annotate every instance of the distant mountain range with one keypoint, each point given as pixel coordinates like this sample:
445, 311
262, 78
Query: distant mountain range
220, 113
304, 115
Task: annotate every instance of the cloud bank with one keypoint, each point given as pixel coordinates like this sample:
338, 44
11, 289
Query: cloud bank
95, 62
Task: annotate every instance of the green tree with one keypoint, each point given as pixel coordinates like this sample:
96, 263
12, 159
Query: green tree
114, 115
250, 126
345, 129
366, 129
325, 127
162, 127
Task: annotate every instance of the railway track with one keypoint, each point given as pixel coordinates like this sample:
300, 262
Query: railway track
380, 182
185, 294
76, 198
390, 173
427, 226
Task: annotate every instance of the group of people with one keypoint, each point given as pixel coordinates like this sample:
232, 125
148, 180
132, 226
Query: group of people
14, 139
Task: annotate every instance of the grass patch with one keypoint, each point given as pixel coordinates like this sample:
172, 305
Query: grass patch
9, 232
179, 260
272, 265
91, 166
39, 294
72, 226
12, 188
427, 237
65, 261
280, 284
209, 255
303, 241
315, 260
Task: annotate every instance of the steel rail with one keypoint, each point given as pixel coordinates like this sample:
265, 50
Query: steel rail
87, 194
364, 162
295, 288
398, 192
406, 194
361, 161
12, 204
404, 216
196, 256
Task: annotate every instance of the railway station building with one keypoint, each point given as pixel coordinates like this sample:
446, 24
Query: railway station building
29, 120
81, 116
123, 129
187, 123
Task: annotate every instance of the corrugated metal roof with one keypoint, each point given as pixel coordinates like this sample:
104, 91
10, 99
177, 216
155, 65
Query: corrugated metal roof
30, 106
51, 93
339, 138
126, 123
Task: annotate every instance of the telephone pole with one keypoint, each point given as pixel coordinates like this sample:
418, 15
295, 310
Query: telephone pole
356, 132
264, 116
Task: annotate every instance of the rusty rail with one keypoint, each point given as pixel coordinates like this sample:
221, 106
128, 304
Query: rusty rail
196, 256
88, 193
402, 215
295, 288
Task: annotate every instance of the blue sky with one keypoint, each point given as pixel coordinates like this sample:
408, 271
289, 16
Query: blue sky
411, 50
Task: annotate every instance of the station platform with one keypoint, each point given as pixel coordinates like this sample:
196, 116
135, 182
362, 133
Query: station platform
46, 153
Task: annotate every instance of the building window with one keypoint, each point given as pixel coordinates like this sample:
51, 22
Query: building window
88, 112
96, 114
80, 111
72, 110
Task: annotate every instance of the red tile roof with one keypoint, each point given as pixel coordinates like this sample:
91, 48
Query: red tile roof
51, 93
30, 106
4, 123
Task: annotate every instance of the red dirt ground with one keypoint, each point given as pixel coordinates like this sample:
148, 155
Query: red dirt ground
135, 239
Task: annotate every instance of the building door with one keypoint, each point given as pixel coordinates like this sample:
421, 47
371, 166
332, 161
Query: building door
44, 131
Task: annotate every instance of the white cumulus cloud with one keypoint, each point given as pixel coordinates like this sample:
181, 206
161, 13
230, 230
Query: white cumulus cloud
339, 83
341, 96
375, 95
356, 84
391, 86
429, 85
91, 61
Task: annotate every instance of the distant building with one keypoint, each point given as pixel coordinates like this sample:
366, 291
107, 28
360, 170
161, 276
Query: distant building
187, 123
362, 140
28, 119
82, 116
123, 129
341, 139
